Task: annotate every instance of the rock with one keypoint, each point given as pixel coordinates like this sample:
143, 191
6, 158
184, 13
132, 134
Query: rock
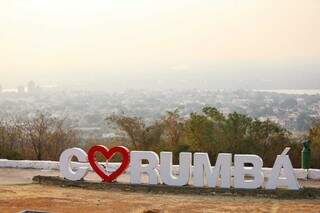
152, 211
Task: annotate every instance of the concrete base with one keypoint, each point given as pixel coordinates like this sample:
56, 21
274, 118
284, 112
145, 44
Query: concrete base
303, 193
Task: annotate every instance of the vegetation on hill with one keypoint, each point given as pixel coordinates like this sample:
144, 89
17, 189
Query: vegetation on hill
212, 132
44, 137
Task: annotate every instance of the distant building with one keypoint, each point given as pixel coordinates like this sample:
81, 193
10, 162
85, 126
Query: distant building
31, 87
20, 89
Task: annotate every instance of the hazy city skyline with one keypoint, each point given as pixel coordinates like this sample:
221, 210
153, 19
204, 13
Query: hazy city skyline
167, 44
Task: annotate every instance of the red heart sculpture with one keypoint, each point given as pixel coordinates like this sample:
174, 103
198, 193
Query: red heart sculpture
108, 155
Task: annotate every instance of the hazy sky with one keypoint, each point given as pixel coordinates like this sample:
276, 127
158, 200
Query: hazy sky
75, 40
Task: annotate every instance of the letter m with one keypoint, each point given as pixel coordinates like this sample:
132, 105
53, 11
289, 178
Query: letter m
202, 168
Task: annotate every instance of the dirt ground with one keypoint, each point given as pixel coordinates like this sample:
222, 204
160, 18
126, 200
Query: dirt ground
15, 198
17, 193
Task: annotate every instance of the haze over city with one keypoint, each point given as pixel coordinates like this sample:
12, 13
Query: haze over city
86, 60
159, 106
118, 45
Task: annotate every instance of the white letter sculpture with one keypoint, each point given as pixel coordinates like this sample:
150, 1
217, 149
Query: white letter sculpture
185, 160
283, 165
137, 168
202, 168
240, 171
65, 164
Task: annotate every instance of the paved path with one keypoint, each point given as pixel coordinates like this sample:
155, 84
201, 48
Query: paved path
10, 176
24, 176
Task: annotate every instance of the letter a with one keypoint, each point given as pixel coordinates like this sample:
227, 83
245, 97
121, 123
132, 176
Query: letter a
283, 162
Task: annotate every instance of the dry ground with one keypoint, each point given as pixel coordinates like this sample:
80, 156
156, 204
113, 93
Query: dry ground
18, 193
14, 198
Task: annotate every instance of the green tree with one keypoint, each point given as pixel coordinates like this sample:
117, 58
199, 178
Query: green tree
173, 126
314, 136
142, 137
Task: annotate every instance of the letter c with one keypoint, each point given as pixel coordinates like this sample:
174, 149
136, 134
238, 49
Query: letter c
65, 164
